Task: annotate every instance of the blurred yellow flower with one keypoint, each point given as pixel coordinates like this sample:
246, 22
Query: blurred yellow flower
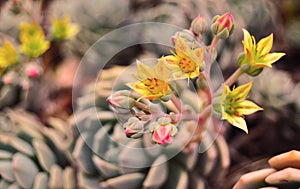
234, 105
33, 42
8, 55
153, 83
258, 56
62, 29
187, 62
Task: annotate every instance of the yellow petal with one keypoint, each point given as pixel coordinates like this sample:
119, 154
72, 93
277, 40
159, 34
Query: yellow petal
144, 71
272, 57
241, 91
161, 70
247, 107
138, 87
248, 43
264, 46
198, 56
182, 49
237, 121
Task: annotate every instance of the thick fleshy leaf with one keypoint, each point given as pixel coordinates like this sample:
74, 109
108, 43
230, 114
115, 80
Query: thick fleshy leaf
5, 155
14, 186
140, 159
178, 178
6, 170
264, 46
132, 181
157, 174
41, 181
83, 154
69, 178
4, 184
17, 143
45, 155
25, 170
106, 168
56, 177
87, 182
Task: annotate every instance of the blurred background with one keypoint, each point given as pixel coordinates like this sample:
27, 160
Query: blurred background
272, 131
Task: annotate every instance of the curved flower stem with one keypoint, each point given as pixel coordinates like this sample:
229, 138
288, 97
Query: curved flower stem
234, 77
176, 103
213, 44
142, 106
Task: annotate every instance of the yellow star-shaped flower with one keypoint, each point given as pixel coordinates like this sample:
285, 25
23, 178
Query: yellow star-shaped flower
258, 56
153, 83
234, 105
33, 42
8, 55
62, 29
186, 62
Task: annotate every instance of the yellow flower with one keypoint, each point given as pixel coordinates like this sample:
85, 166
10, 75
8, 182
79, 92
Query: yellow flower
33, 42
8, 55
153, 83
32, 30
187, 62
63, 29
257, 56
234, 105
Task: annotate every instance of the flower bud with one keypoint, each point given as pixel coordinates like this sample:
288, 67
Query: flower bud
199, 26
223, 25
188, 36
162, 131
134, 127
33, 71
121, 100
247, 67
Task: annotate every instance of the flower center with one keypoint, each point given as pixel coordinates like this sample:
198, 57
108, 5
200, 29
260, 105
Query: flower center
154, 85
230, 106
187, 65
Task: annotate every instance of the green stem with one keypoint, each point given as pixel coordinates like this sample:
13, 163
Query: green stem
233, 78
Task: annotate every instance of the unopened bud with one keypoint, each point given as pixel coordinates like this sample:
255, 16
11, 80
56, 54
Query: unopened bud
121, 100
199, 26
223, 25
134, 128
33, 71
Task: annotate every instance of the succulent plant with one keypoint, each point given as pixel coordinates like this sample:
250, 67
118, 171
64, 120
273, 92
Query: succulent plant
33, 155
108, 159
283, 173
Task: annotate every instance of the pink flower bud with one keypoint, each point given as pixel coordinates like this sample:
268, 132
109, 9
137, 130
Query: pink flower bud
222, 25
162, 135
199, 26
163, 131
32, 71
225, 21
134, 127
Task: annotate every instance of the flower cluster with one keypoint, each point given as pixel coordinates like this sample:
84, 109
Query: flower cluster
192, 59
20, 64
